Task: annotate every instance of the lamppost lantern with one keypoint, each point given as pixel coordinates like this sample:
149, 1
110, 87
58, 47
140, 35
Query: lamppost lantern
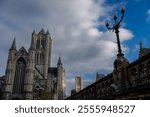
106, 24
115, 17
115, 28
122, 10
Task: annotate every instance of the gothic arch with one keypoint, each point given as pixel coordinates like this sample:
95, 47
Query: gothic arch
142, 70
19, 77
133, 73
38, 44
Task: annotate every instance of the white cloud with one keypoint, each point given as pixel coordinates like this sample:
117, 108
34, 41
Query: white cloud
73, 25
148, 12
125, 35
148, 15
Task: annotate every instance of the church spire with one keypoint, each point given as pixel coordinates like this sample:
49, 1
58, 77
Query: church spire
59, 61
13, 46
141, 45
33, 33
42, 31
47, 32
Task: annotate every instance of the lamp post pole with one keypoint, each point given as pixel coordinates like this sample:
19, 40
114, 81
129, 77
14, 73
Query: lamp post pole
115, 28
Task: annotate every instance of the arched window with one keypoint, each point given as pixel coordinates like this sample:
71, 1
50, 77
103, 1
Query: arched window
106, 84
134, 77
142, 70
37, 58
38, 44
41, 58
19, 76
134, 74
42, 43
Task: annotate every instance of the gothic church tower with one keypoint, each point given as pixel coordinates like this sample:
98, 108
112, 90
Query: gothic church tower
42, 42
28, 73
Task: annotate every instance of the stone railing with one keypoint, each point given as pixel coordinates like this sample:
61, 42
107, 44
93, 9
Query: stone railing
139, 72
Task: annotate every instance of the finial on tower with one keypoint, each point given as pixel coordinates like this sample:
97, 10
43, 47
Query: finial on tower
141, 45
33, 32
13, 46
59, 61
42, 31
47, 32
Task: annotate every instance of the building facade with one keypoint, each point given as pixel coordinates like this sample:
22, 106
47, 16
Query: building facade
29, 74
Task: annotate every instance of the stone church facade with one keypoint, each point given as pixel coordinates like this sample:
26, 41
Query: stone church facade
128, 81
28, 73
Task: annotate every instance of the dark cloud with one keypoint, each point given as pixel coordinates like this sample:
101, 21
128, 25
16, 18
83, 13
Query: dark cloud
26, 9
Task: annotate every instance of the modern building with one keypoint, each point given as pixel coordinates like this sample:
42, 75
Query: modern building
29, 74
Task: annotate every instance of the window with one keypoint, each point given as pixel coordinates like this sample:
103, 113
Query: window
19, 76
38, 44
42, 43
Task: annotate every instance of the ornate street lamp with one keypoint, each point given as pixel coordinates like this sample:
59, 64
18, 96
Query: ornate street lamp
115, 28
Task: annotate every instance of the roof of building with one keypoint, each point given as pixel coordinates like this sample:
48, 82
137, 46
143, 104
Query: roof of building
146, 50
143, 51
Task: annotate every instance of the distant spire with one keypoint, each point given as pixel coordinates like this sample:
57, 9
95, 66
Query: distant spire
42, 31
97, 74
48, 32
59, 61
13, 46
33, 32
141, 45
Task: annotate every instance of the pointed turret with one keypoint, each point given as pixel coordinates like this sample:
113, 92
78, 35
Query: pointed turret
42, 31
59, 61
47, 32
60, 79
13, 46
32, 45
33, 33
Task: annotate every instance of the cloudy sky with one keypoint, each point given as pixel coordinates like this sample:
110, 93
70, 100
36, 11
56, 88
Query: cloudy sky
77, 28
